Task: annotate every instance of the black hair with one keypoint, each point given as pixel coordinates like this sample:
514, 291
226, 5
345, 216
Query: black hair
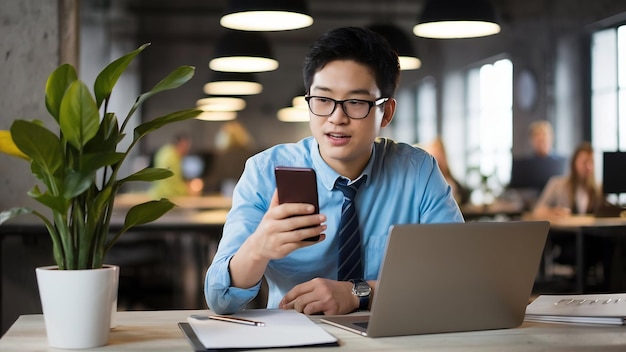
359, 44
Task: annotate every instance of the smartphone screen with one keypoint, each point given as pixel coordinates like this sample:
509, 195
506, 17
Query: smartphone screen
297, 185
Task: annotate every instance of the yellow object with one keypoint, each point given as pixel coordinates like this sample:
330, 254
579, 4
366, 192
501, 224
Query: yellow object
7, 145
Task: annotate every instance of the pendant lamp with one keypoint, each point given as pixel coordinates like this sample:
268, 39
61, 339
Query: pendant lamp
447, 19
233, 83
240, 51
297, 112
217, 115
221, 104
401, 43
266, 15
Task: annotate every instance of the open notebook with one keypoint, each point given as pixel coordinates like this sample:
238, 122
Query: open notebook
452, 277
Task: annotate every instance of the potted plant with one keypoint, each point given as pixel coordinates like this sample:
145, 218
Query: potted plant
79, 168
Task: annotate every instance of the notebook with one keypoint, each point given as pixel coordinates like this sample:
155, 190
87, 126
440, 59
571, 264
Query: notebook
452, 277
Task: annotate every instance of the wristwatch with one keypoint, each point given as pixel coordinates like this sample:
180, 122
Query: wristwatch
362, 290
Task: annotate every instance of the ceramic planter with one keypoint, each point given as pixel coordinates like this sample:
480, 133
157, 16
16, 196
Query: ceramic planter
78, 305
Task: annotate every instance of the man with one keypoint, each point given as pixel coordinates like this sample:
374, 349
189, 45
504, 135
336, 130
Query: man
350, 77
530, 174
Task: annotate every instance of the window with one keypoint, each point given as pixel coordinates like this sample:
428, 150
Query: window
608, 93
489, 137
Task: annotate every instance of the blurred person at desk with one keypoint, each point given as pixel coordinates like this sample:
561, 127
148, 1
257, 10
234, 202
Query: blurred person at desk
350, 76
530, 174
574, 193
170, 157
437, 149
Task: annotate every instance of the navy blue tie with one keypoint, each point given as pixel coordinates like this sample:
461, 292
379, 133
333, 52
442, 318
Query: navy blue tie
350, 261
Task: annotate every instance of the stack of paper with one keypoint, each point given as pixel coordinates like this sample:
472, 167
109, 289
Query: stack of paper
282, 328
584, 309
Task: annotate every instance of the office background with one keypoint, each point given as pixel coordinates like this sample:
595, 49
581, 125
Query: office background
548, 39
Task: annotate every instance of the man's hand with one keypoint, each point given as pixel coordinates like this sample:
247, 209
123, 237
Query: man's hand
321, 296
281, 231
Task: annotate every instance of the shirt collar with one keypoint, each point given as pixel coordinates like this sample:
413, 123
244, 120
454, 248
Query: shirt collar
328, 176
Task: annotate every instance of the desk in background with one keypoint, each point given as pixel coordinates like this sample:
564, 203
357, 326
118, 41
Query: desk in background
581, 228
158, 331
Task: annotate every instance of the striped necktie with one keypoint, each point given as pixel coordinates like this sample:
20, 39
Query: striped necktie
350, 261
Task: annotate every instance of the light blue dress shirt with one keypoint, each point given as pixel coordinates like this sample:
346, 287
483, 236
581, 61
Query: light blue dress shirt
404, 185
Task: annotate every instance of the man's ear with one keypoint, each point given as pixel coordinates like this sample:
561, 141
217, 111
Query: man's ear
390, 110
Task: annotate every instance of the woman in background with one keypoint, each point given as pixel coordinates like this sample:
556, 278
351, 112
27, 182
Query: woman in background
574, 193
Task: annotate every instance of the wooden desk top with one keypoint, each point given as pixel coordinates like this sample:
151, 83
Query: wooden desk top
580, 221
158, 331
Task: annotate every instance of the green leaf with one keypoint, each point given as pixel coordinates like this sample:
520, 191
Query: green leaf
80, 119
159, 122
149, 174
147, 212
106, 137
142, 214
57, 84
175, 79
77, 182
41, 145
106, 80
56, 203
94, 161
11, 213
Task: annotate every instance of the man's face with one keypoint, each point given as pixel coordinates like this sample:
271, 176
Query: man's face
541, 141
345, 143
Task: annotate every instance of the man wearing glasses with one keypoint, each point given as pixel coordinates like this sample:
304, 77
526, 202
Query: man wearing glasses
350, 76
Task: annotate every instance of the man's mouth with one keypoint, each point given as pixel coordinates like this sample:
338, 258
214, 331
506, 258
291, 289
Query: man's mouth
337, 135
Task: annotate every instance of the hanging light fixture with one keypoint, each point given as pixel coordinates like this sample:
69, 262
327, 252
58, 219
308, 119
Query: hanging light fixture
401, 43
217, 115
445, 19
221, 104
267, 15
233, 83
297, 112
239, 51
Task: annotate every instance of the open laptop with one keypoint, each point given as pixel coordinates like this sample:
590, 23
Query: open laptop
452, 277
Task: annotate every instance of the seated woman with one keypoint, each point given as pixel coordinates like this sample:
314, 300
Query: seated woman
574, 193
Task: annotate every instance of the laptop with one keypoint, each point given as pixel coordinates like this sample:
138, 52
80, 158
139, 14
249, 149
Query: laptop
456, 277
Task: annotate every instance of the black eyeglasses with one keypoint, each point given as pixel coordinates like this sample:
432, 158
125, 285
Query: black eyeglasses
353, 108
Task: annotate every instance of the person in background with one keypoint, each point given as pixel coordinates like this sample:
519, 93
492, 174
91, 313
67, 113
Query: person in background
541, 138
437, 149
350, 76
170, 156
574, 193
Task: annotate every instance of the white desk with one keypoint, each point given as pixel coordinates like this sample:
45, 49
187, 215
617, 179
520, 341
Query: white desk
158, 331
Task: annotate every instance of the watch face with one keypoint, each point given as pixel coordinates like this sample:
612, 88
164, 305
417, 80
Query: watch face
361, 289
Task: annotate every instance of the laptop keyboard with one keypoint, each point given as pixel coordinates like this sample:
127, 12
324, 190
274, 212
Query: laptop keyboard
362, 324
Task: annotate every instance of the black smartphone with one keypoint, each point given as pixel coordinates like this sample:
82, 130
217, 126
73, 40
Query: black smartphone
297, 185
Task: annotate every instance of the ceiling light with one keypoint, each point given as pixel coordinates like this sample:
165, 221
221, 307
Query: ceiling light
233, 83
268, 15
221, 104
401, 43
297, 112
238, 51
217, 115
293, 114
445, 19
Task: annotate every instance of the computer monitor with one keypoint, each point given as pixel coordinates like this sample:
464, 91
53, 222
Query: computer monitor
534, 172
614, 173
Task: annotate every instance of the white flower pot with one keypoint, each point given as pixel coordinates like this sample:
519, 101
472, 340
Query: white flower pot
78, 304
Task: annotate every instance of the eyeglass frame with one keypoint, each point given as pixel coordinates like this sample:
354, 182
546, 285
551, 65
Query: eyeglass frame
371, 104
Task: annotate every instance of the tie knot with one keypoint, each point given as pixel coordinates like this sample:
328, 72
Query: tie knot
349, 191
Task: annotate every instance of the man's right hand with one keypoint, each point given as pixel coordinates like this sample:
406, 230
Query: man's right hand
282, 230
